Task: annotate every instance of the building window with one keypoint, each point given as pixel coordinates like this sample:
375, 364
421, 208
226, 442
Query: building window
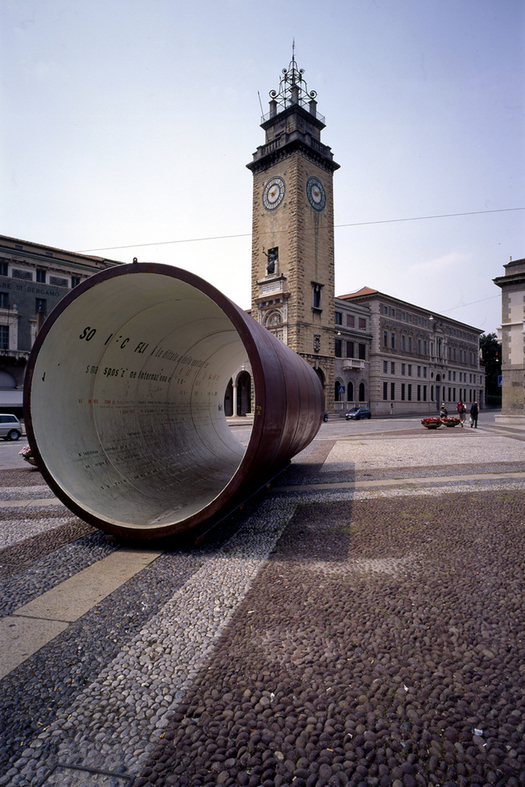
424, 371
403, 316
4, 269
385, 309
316, 295
4, 300
419, 371
392, 312
350, 321
339, 318
385, 367
75, 281
402, 392
419, 393
40, 305
41, 275
362, 352
392, 391
392, 367
403, 343
17, 274
4, 337
58, 282
403, 369
362, 323
272, 260
393, 341
338, 348
424, 393
362, 392
424, 348
339, 391
409, 392
409, 344
350, 391
410, 370
431, 393
385, 391
349, 349
385, 339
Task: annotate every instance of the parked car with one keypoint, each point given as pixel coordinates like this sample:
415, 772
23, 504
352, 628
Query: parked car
10, 427
356, 413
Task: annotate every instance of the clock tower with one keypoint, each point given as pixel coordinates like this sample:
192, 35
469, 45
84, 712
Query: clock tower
293, 227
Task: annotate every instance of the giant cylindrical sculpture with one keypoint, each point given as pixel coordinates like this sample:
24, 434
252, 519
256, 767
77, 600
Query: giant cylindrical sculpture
124, 402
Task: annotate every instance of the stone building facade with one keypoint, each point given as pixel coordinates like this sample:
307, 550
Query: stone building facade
352, 348
418, 359
512, 338
33, 279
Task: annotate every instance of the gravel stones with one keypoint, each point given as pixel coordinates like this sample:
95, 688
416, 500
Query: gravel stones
331, 673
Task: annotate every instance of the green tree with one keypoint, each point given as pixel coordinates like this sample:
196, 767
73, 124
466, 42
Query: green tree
491, 354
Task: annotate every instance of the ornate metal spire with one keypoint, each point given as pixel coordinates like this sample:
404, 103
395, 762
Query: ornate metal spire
292, 86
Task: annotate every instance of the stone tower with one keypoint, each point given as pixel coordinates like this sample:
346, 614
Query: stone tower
293, 227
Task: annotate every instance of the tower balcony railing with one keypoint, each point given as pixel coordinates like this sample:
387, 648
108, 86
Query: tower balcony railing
285, 104
284, 139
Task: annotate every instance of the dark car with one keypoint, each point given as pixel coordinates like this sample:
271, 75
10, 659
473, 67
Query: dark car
356, 413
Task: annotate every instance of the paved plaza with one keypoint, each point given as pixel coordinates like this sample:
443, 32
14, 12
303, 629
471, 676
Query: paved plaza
361, 621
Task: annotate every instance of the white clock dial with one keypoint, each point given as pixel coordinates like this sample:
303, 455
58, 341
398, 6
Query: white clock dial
316, 193
273, 193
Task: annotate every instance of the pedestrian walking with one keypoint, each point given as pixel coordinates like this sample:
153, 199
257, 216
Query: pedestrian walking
461, 410
474, 411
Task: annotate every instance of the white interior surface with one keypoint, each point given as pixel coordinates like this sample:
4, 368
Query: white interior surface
127, 400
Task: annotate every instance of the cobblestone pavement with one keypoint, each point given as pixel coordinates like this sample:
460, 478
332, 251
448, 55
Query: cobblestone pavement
362, 622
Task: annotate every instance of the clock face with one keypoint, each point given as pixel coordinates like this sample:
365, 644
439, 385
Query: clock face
316, 193
273, 193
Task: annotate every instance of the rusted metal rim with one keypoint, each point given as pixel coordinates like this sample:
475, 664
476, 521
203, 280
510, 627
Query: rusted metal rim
124, 397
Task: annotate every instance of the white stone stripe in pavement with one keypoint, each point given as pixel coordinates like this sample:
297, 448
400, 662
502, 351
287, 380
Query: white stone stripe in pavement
37, 623
38, 502
460, 479
154, 671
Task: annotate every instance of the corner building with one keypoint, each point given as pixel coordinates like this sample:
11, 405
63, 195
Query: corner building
418, 359
512, 338
33, 279
293, 227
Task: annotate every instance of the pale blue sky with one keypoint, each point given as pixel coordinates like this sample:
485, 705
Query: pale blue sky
130, 122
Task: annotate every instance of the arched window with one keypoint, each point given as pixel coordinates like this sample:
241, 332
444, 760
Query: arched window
361, 392
228, 399
350, 391
243, 394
